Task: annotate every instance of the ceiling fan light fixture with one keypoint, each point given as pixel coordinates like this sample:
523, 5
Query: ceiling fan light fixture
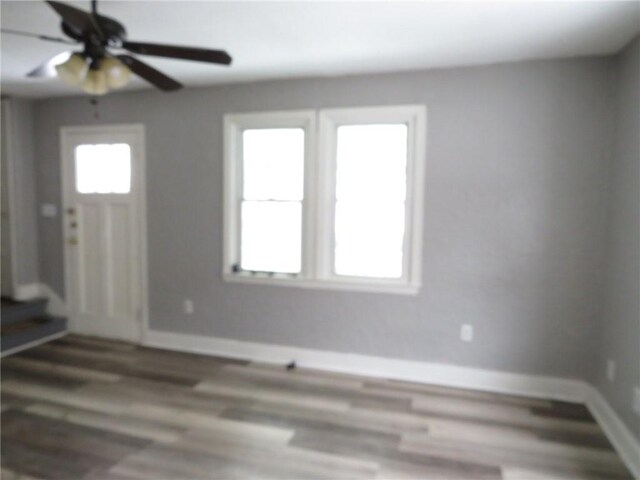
96, 70
74, 70
95, 82
117, 73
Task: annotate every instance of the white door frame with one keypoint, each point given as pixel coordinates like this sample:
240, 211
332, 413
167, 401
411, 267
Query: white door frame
140, 191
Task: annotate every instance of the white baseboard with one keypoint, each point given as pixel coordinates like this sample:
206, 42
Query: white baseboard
617, 432
34, 343
28, 291
380, 367
56, 305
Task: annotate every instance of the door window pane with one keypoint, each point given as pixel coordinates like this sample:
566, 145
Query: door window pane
370, 200
103, 168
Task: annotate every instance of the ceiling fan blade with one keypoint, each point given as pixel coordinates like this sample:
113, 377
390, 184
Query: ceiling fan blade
77, 20
48, 69
150, 74
183, 53
35, 35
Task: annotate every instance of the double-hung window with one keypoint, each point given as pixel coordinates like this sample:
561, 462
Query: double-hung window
325, 199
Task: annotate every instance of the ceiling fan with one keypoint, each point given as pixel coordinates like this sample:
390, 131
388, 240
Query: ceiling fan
95, 68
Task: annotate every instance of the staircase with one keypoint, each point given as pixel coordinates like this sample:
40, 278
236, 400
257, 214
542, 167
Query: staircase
25, 323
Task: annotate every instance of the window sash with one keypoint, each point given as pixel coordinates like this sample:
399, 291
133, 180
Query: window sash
235, 125
330, 121
371, 204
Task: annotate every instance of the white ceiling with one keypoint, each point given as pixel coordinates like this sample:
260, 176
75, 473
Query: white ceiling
302, 39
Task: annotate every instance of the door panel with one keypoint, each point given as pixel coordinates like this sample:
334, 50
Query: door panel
104, 231
89, 247
119, 272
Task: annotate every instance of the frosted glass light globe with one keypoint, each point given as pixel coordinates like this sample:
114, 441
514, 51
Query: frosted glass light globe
74, 70
118, 74
96, 82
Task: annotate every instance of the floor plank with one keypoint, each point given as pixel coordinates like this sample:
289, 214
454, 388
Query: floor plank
90, 408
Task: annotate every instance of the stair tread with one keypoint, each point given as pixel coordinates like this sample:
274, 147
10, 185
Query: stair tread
10, 302
14, 311
38, 330
25, 325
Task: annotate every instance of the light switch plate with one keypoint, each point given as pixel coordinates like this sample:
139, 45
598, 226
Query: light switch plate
611, 370
188, 307
49, 210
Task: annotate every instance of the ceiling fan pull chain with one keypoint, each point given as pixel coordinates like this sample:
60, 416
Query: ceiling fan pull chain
96, 105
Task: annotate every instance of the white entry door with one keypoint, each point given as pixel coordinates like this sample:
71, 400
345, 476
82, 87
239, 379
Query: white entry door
104, 229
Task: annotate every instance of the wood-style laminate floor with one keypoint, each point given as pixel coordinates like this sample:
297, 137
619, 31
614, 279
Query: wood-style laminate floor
87, 408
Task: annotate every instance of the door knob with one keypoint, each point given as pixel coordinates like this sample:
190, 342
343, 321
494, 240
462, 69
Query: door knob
71, 211
73, 240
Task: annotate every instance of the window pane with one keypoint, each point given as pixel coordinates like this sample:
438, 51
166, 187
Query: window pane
357, 262
369, 239
103, 168
371, 183
371, 162
273, 164
271, 236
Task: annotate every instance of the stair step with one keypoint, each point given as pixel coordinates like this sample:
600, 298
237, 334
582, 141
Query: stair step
14, 311
21, 326
21, 333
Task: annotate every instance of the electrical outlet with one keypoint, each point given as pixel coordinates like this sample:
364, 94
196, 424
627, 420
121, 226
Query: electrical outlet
636, 400
188, 307
466, 333
611, 370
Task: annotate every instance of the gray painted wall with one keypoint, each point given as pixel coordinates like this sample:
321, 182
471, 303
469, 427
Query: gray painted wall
21, 130
514, 215
621, 318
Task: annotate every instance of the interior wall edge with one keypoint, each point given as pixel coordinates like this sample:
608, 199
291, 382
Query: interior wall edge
619, 325
21, 128
617, 432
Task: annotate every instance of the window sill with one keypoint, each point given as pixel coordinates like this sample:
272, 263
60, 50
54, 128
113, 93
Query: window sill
339, 285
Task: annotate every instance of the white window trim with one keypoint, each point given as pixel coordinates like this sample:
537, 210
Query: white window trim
317, 235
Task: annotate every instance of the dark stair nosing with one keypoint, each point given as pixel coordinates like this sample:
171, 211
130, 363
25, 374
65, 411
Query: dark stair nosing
41, 330
15, 311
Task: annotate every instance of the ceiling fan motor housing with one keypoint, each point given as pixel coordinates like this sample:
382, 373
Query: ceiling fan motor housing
108, 30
